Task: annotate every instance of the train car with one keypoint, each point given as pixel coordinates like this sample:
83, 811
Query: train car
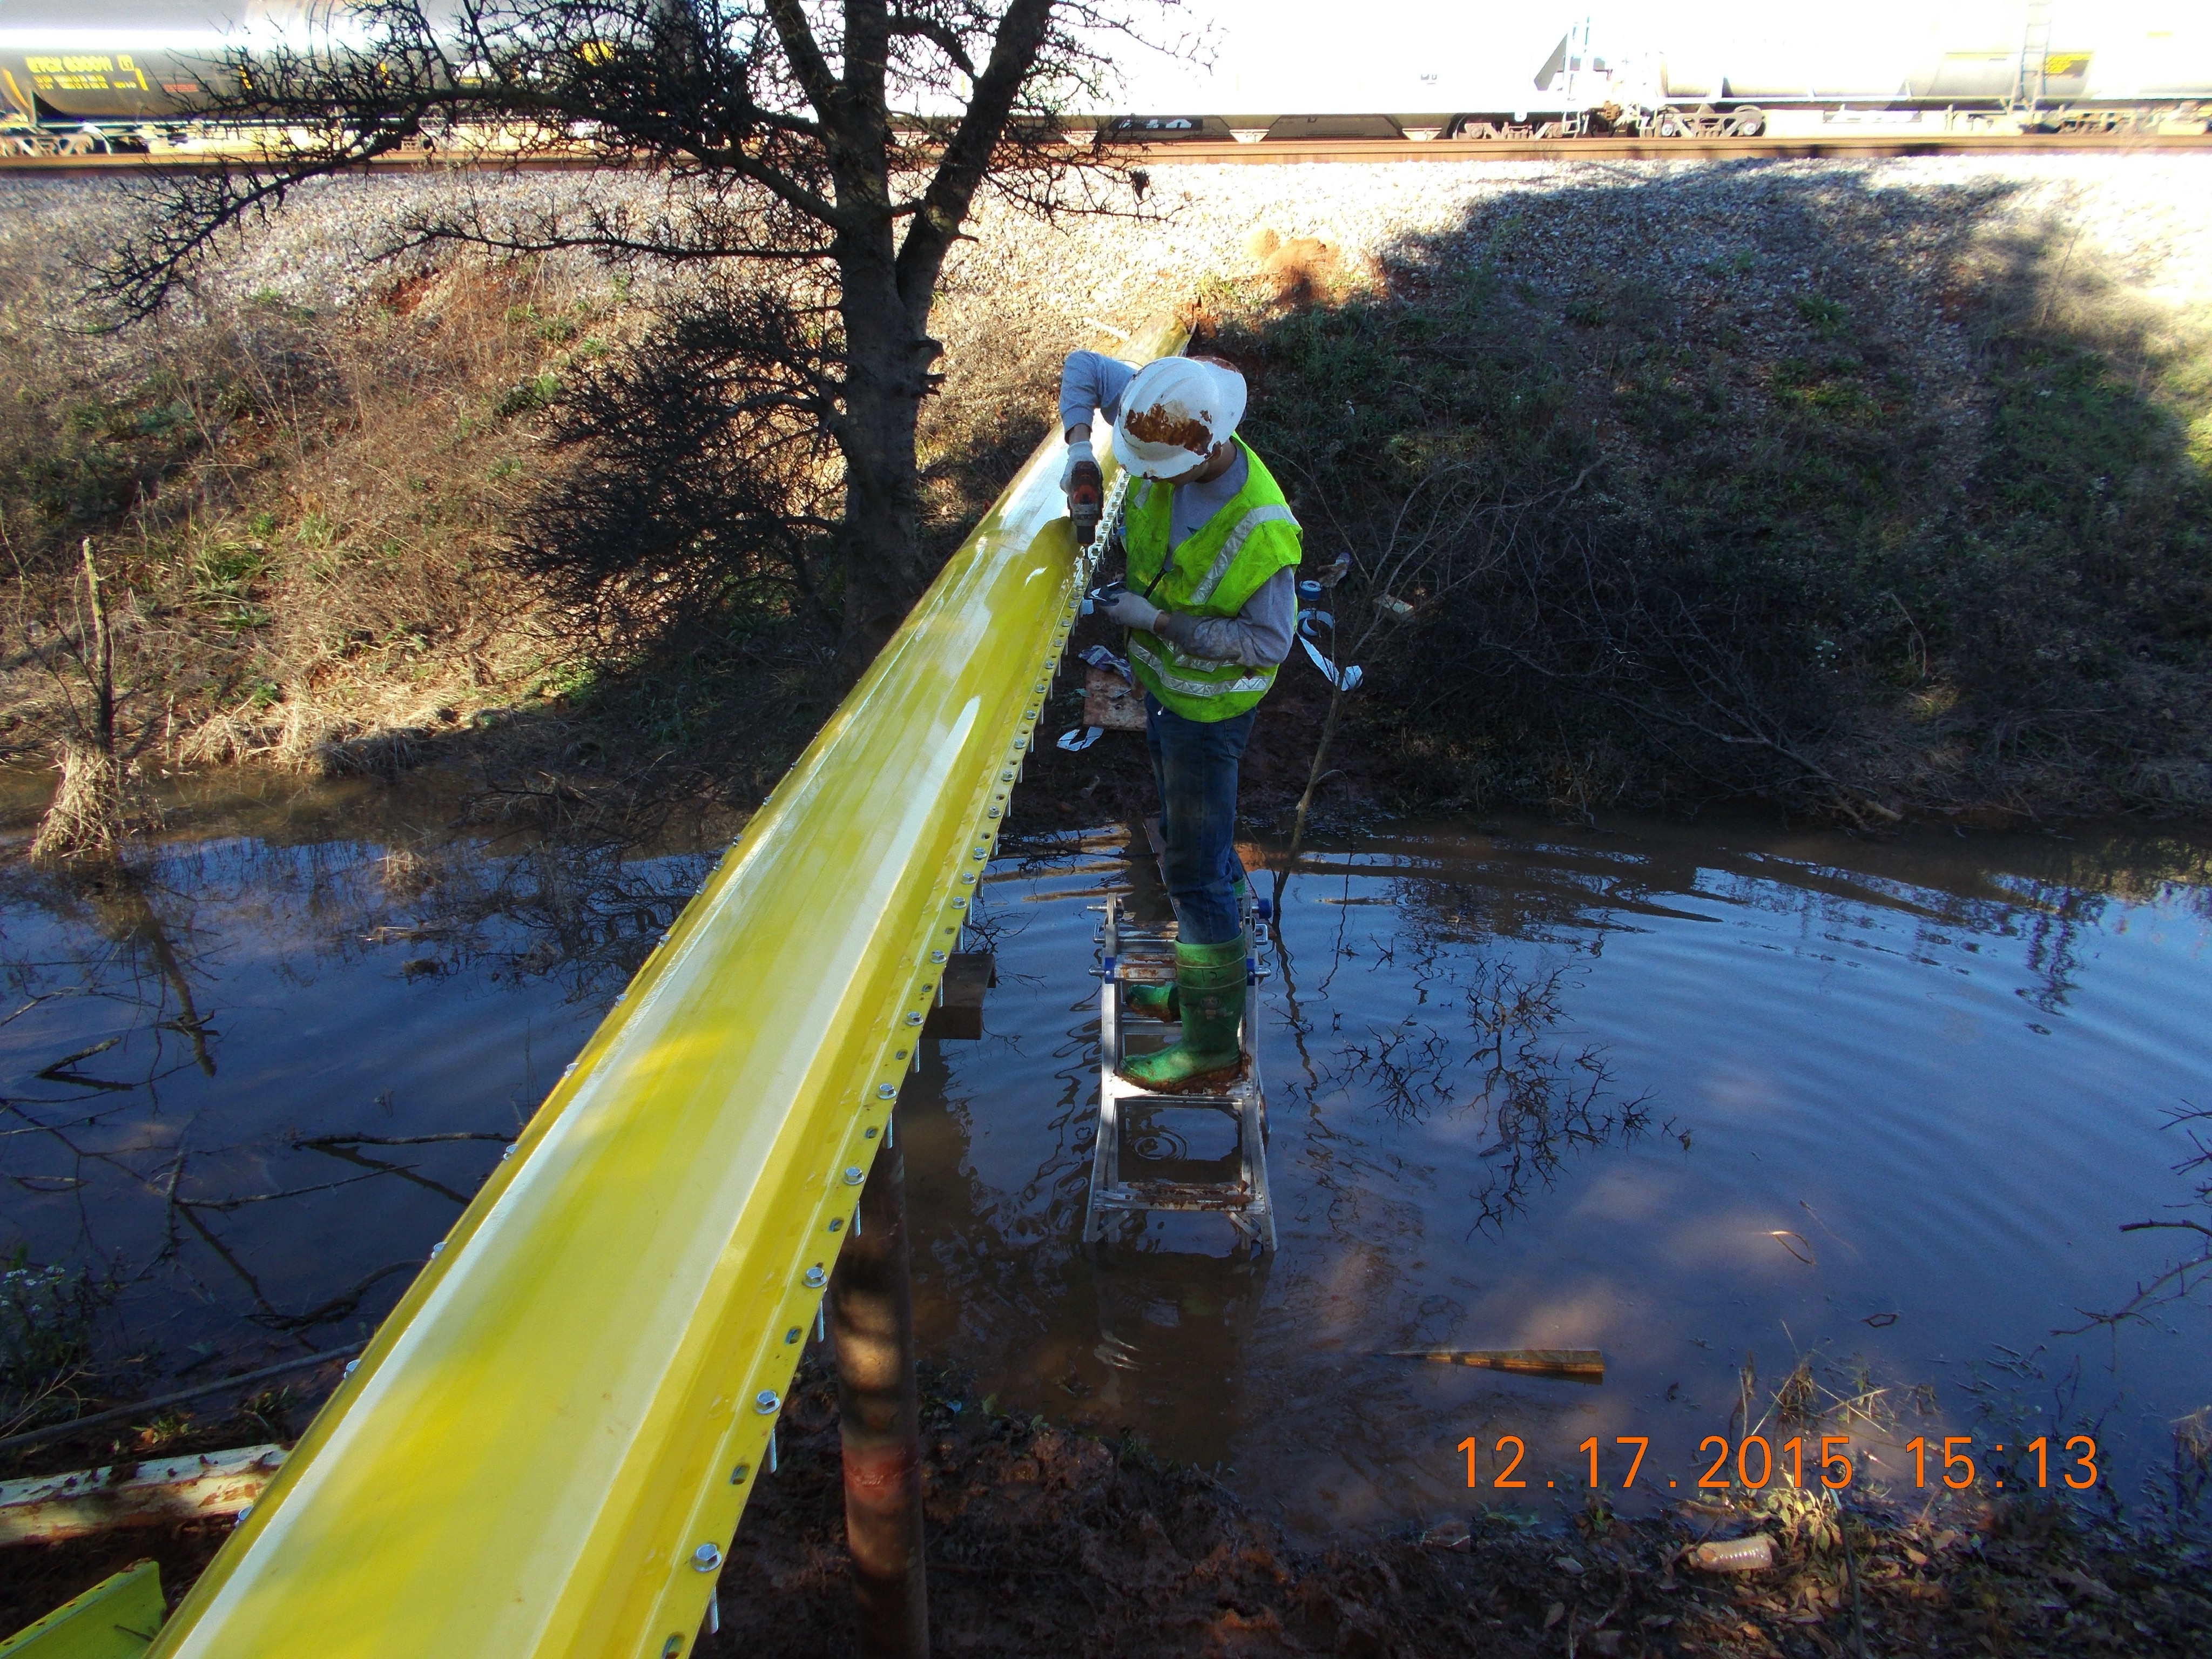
126, 60
1732, 66
128, 73
104, 74
1286, 68
1689, 68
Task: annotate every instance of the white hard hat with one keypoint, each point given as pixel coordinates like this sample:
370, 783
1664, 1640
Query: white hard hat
1173, 414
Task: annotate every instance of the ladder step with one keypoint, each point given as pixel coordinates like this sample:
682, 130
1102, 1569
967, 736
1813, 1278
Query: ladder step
1176, 1195
1140, 954
1134, 1098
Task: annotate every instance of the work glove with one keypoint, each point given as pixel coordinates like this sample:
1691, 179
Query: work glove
1079, 454
1131, 611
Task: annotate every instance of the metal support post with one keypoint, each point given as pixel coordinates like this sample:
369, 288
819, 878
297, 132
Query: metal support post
880, 1419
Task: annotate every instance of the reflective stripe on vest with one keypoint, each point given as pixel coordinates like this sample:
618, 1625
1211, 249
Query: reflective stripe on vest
1259, 680
1275, 513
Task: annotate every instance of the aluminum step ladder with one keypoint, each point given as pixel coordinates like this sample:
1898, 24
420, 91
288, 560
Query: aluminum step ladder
1134, 954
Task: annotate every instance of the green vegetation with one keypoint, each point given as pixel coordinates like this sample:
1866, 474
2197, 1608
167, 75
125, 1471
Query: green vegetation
47, 1315
1681, 560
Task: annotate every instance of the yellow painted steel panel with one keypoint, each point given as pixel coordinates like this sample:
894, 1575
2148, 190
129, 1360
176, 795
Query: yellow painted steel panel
576, 1393
113, 1620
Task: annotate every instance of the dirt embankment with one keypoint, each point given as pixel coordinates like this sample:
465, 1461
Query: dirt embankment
1858, 488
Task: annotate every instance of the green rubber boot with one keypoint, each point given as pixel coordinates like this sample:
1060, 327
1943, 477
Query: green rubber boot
1161, 1001
1152, 1001
1209, 990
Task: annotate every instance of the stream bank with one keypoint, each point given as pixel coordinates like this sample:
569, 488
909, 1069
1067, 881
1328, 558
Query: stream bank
1902, 462
1044, 1540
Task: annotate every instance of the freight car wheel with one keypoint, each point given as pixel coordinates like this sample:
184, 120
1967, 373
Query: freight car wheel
1747, 123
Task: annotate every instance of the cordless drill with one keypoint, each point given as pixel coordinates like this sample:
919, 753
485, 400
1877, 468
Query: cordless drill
1086, 500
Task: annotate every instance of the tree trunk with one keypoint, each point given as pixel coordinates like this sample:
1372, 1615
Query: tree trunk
880, 1419
85, 818
103, 658
888, 357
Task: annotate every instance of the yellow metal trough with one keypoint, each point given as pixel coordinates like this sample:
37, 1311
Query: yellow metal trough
545, 1450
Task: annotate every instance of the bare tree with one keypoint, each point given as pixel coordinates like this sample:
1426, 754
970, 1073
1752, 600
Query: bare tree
831, 151
85, 818
1455, 524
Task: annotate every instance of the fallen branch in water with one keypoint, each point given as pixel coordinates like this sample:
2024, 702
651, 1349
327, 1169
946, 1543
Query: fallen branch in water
162, 1402
157, 1492
1569, 1364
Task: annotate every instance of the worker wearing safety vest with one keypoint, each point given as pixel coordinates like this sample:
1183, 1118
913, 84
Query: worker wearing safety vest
1212, 610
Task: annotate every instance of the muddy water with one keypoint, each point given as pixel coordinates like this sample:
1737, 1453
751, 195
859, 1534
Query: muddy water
1700, 1099
248, 1084
1703, 1102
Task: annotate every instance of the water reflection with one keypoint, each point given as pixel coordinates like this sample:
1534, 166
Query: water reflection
1782, 1107
250, 1081
1713, 1102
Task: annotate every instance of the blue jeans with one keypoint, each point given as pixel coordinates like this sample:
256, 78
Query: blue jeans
1194, 766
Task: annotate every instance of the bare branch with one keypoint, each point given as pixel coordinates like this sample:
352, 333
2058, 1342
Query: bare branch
938, 33
944, 206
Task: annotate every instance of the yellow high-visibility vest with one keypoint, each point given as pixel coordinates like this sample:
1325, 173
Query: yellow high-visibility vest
1213, 573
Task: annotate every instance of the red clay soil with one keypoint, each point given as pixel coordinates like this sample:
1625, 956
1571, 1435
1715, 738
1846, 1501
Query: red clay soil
1044, 1542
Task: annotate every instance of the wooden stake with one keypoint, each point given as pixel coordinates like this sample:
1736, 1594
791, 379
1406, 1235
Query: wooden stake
880, 1419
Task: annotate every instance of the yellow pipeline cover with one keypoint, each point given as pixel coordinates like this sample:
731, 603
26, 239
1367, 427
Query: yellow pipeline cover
575, 1397
113, 1620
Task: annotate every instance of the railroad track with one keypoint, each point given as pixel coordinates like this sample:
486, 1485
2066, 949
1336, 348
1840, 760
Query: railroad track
1870, 145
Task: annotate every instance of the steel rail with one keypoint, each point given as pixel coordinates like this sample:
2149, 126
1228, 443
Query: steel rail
1290, 151
544, 1451
1842, 145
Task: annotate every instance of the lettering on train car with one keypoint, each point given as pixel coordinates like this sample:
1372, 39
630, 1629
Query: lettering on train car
85, 72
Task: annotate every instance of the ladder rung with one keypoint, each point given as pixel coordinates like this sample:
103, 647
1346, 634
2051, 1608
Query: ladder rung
1133, 1098
1176, 1195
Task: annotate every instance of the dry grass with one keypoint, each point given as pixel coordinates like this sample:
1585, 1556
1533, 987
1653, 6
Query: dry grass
303, 479
307, 482
86, 815
302, 507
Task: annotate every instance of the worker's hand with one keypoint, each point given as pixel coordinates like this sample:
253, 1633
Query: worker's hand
1079, 454
1131, 611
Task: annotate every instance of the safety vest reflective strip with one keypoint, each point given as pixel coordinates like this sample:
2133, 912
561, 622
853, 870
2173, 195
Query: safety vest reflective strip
1274, 513
1259, 680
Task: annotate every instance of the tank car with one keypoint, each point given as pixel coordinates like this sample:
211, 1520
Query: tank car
117, 73
2019, 65
1689, 68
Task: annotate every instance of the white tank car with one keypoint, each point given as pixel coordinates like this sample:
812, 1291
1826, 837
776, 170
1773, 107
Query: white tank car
1300, 69
1291, 68
2051, 63
1285, 68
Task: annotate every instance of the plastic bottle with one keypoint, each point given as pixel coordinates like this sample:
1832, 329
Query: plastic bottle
1752, 1554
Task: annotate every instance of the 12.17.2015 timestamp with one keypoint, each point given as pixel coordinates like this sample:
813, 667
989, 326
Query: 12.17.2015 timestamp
1754, 1460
